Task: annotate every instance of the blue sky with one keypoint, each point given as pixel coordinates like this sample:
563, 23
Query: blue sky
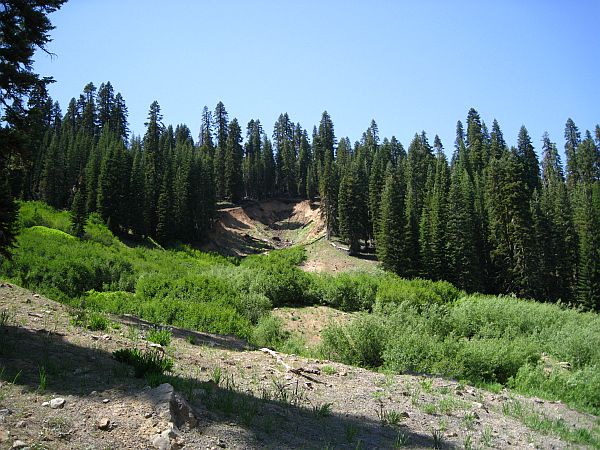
411, 66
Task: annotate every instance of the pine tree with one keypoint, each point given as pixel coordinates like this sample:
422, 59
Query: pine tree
329, 191
391, 245
234, 187
136, 196
52, 181
151, 166
78, 212
526, 156
221, 121
511, 225
572, 141
352, 206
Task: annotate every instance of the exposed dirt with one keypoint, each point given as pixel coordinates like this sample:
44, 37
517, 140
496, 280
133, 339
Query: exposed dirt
256, 227
243, 399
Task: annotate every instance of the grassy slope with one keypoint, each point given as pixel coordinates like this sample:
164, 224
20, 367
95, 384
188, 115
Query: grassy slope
406, 325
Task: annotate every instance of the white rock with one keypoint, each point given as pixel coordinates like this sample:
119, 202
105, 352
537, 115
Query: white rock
172, 407
19, 444
161, 443
57, 403
46, 404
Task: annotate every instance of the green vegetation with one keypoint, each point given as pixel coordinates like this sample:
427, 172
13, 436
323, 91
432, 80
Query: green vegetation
159, 336
149, 362
398, 325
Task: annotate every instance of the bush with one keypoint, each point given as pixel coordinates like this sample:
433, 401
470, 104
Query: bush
361, 342
347, 292
268, 333
144, 362
420, 294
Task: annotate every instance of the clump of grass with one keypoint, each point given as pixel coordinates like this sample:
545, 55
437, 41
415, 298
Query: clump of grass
328, 370
43, 380
5, 318
97, 322
159, 336
323, 410
144, 362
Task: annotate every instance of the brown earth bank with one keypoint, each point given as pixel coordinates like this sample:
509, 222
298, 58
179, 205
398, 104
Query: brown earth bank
255, 227
229, 396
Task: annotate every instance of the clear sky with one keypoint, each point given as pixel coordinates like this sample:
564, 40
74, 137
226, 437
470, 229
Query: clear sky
411, 66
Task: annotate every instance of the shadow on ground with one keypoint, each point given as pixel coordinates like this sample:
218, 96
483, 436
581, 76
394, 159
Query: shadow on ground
279, 416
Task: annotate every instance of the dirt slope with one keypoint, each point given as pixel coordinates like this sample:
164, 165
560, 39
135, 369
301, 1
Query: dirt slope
243, 399
259, 226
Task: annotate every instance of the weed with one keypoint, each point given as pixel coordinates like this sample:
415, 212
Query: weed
42, 385
468, 443
5, 318
389, 417
401, 440
97, 322
486, 436
427, 385
328, 370
437, 438
429, 408
351, 431
159, 336
146, 362
190, 339
469, 420
323, 410
216, 376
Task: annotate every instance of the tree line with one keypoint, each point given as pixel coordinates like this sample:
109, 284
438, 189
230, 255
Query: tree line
493, 218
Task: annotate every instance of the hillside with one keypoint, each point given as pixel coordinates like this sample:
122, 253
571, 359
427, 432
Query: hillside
260, 226
241, 399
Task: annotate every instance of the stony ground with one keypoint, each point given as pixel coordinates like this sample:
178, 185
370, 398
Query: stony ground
241, 399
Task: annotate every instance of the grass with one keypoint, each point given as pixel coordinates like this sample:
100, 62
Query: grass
537, 421
144, 362
322, 410
43, 380
159, 336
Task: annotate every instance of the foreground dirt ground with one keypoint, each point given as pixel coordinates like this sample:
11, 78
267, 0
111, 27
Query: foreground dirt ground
242, 398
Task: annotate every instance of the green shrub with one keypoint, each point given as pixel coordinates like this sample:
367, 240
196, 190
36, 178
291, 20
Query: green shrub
144, 362
346, 291
97, 322
159, 336
494, 360
361, 342
268, 333
253, 306
393, 291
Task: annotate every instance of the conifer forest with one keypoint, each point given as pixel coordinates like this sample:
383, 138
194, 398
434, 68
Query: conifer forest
492, 217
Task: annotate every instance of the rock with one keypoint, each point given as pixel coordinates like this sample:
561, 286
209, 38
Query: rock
172, 407
46, 404
161, 443
19, 444
171, 432
103, 424
148, 415
57, 403
21, 424
477, 405
93, 393
106, 400
34, 314
451, 434
4, 436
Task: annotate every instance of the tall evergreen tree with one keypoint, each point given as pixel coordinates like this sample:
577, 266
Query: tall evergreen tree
234, 187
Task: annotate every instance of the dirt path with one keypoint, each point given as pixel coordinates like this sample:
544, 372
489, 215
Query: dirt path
243, 399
